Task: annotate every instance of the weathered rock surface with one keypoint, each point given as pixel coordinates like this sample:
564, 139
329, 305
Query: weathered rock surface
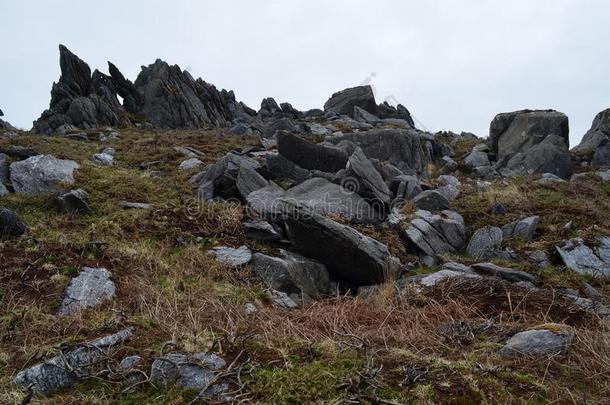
220, 179
586, 260
72, 366
343, 102
370, 182
484, 240
546, 341
10, 224
431, 280
437, 234
248, 180
103, 159
431, 200
595, 145
91, 288
263, 231
347, 253
190, 164
524, 228
292, 274
232, 256
515, 276
75, 202
194, 371
551, 155
42, 174
309, 155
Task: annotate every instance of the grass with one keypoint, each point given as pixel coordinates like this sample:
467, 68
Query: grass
435, 346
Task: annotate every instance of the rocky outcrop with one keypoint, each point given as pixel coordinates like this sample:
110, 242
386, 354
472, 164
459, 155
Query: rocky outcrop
220, 179
437, 234
595, 145
343, 102
4, 124
42, 174
551, 155
309, 155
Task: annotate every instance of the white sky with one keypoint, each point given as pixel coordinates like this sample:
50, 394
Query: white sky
453, 64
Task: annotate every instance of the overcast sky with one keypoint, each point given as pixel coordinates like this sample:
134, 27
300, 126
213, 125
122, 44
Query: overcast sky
453, 64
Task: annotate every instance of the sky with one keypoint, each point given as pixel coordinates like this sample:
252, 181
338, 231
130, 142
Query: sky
453, 63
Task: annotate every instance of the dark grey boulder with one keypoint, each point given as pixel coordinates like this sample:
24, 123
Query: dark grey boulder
405, 188
400, 112
292, 274
548, 340
437, 234
595, 145
309, 155
192, 371
347, 253
518, 131
263, 231
583, 259
431, 200
74, 202
73, 365
369, 183
4, 168
477, 158
284, 124
219, 179
365, 116
343, 102
91, 288
42, 174
551, 155
524, 228
266, 202
282, 169
19, 152
10, 224
514, 276
484, 240
248, 180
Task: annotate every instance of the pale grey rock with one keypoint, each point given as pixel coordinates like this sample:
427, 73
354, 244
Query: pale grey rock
134, 205
232, 256
555, 339
69, 368
103, 159
282, 300
91, 288
433, 279
524, 228
583, 259
515, 276
190, 164
437, 234
477, 158
485, 240
192, 371
42, 174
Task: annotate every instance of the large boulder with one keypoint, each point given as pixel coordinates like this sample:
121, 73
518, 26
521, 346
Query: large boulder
76, 363
309, 155
343, 102
220, 179
409, 150
42, 174
400, 112
292, 274
592, 261
518, 131
437, 234
595, 145
10, 224
91, 288
551, 155
347, 253
370, 183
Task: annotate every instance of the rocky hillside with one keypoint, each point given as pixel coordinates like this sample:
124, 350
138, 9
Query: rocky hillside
164, 243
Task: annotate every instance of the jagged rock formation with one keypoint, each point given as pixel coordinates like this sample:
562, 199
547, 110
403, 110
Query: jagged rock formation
595, 145
4, 124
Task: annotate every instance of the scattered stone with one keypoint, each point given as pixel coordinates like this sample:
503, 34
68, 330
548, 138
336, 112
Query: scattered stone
546, 340
134, 205
75, 202
431, 200
433, 279
539, 258
231, 256
10, 224
437, 234
449, 165
485, 240
514, 276
550, 178
282, 300
103, 159
524, 228
457, 267
477, 158
250, 308
497, 209
190, 164
91, 288
130, 370
583, 259
42, 174
72, 366
189, 152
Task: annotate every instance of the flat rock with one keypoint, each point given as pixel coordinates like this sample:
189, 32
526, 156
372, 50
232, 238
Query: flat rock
72, 366
249, 180
309, 155
515, 276
549, 340
593, 261
232, 256
134, 205
42, 174
91, 288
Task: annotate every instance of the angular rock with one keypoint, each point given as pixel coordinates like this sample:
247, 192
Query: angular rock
551, 155
431, 200
547, 341
431, 280
248, 180
266, 201
400, 112
365, 116
595, 145
10, 224
103, 159
369, 181
309, 155
514, 276
437, 234
91, 288
3, 190
484, 240
524, 228
189, 371
262, 231
497, 209
282, 300
583, 259
72, 366
231, 256
292, 274
477, 159
42, 174
220, 178
75, 202
347, 253
190, 164
282, 169
343, 102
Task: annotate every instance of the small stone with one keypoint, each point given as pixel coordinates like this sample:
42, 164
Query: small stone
546, 340
431, 200
89, 289
103, 159
134, 205
497, 209
490, 269
10, 224
75, 202
190, 164
231, 256
250, 308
